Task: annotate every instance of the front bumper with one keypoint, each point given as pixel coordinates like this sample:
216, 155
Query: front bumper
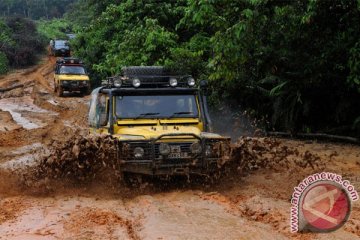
62, 52
75, 85
183, 162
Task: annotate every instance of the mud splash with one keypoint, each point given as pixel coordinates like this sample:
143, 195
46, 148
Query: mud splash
96, 158
81, 159
249, 154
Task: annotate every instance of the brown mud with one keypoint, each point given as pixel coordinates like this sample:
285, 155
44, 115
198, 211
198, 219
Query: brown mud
57, 182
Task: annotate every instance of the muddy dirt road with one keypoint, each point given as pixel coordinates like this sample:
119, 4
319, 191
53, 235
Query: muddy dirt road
253, 204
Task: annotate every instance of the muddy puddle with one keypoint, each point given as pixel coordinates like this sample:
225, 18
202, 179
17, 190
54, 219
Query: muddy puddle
24, 113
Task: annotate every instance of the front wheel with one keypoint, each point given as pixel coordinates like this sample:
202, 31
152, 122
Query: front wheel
60, 91
132, 180
86, 91
55, 87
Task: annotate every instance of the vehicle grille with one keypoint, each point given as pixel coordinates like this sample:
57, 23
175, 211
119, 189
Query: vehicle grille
128, 151
152, 152
184, 148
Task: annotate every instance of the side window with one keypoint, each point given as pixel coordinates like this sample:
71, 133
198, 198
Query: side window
92, 110
99, 110
102, 110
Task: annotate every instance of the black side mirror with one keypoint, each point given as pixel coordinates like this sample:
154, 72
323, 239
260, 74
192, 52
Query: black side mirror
203, 84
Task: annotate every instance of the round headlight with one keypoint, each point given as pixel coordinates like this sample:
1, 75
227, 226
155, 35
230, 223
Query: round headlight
164, 149
191, 82
117, 83
136, 82
138, 152
173, 82
196, 148
208, 150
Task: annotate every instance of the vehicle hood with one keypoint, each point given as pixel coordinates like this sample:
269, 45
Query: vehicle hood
150, 132
73, 77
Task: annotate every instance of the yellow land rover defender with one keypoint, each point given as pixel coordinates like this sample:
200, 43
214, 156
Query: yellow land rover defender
161, 121
71, 76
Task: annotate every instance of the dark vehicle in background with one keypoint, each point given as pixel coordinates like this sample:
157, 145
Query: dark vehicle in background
60, 48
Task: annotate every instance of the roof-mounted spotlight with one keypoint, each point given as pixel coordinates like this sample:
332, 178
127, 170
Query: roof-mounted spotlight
136, 82
191, 82
173, 82
117, 82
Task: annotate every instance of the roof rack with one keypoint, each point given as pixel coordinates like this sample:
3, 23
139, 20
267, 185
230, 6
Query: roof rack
148, 77
69, 60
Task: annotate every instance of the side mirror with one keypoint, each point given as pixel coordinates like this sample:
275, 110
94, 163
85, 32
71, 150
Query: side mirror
203, 84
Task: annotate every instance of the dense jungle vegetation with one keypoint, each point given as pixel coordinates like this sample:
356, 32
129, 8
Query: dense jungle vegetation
294, 63
22, 40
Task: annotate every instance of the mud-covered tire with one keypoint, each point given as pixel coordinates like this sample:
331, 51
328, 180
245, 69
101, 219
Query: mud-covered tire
143, 70
59, 91
85, 92
88, 91
132, 180
55, 87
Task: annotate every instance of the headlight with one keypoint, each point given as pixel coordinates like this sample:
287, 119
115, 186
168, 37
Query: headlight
136, 82
138, 152
164, 149
117, 83
208, 150
196, 148
130, 137
173, 82
191, 82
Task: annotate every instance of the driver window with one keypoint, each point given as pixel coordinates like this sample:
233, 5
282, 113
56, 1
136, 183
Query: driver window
102, 110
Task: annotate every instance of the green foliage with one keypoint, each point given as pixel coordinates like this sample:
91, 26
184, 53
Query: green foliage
4, 64
294, 61
20, 41
130, 33
55, 28
354, 64
34, 9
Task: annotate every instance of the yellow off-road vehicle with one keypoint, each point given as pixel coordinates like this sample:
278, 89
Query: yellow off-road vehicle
70, 75
161, 121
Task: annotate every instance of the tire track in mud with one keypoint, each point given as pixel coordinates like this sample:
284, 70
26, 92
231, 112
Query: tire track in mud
109, 221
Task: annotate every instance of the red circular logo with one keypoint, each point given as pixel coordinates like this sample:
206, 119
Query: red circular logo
325, 207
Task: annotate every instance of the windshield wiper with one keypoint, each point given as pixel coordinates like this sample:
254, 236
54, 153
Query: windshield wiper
179, 113
147, 114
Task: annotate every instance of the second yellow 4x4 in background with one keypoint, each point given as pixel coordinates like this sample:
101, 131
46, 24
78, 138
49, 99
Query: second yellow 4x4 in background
71, 76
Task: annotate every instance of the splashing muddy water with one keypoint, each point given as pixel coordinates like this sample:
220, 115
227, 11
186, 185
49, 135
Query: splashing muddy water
97, 158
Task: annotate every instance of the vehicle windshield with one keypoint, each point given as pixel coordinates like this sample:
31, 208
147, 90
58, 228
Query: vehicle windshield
76, 70
156, 106
61, 43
